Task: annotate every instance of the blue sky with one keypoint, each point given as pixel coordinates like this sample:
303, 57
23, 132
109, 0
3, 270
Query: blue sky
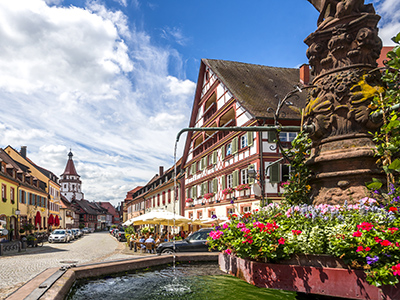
114, 79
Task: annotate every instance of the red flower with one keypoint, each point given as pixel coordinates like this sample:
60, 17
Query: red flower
392, 229
359, 248
367, 248
281, 241
386, 243
365, 226
357, 233
296, 232
396, 269
393, 208
377, 239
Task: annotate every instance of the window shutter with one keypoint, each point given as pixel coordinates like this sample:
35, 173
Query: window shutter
235, 180
249, 138
235, 145
223, 182
202, 164
274, 173
223, 152
205, 188
271, 136
251, 180
214, 161
194, 192
20, 196
188, 193
215, 185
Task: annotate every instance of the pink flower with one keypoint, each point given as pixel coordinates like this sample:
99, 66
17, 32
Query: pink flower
365, 226
225, 226
240, 225
281, 241
215, 235
357, 233
396, 269
359, 248
228, 251
386, 243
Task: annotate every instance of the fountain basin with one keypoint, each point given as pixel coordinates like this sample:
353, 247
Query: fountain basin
312, 277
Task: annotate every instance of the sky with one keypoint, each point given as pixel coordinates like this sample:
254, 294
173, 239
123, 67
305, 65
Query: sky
114, 80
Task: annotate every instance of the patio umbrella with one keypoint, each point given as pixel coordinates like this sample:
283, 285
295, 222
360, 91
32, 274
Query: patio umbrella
160, 217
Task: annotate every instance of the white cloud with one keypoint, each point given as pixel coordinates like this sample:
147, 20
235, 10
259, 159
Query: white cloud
175, 34
389, 25
83, 79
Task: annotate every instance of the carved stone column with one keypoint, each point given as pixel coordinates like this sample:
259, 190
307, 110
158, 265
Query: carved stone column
342, 53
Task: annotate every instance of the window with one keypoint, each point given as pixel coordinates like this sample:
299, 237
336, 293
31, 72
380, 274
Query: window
244, 176
158, 199
287, 136
243, 141
169, 196
4, 191
211, 213
190, 215
230, 211
199, 214
211, 186
228, 149
246, 209
229, 181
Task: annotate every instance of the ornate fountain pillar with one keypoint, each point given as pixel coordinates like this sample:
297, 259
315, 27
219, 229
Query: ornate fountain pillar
342, 53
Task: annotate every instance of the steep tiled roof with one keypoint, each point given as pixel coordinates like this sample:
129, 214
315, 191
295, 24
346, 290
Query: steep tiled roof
70, 167
255, 86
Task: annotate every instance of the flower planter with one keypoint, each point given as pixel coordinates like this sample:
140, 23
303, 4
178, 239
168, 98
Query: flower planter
322, 275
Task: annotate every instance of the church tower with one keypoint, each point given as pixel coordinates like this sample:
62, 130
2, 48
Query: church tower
70, 182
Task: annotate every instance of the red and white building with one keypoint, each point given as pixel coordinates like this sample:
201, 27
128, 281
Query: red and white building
217, 163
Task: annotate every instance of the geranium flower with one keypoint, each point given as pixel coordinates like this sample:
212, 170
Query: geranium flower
215, 235
357, 233
240, 225
392, 229
281, 241
393, 209
365, 226
377, 239
228, 251
386, 243
367, 249
360, 248
225, 226
396, 269
296, 232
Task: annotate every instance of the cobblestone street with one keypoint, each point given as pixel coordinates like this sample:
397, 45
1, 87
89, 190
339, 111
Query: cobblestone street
17, 269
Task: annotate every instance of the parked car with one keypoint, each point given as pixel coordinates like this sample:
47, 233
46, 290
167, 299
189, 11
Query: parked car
196, 242
85, 230
76, 233
121, 236
58, 235
70, 234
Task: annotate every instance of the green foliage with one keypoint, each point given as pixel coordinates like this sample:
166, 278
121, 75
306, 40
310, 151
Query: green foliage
297, 188
364, 235
28, 227
81, 226
129, 230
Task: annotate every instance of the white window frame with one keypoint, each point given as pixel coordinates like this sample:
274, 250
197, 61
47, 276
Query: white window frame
287, 136
229, 180
244, 176
243, 141
228, 150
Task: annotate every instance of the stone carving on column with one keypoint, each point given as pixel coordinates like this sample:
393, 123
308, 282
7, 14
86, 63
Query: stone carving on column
342, 53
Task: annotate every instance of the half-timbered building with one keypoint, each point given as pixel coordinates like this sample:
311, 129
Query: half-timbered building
228, 171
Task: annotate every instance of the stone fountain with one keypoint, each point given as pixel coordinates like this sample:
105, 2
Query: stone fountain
342, 54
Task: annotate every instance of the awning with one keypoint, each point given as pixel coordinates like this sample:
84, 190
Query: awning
38, 219
51, 220
57, 221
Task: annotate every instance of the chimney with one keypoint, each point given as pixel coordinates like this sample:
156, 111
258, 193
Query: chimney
23, 151
161, 171
305, 74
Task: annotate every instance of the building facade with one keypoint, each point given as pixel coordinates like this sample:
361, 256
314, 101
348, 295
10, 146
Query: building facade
231, 171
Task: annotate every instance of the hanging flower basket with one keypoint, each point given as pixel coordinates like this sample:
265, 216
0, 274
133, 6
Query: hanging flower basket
4, 199
243, 187
227, 191
189, 200
208, 196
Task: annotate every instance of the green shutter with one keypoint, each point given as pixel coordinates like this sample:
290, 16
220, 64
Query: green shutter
223, 182
223, 152
271, 136
205, 188
194, 192
215, 185
274, 173
235, 145
251, 180
235, 179
249, 138
187, 193
214, 157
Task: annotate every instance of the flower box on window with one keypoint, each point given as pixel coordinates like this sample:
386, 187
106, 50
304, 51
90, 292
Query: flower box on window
208, 196
189, 200
228, 191
243, 187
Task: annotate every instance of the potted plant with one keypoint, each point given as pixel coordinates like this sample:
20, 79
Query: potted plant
31, 241
208, 196
227, 191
